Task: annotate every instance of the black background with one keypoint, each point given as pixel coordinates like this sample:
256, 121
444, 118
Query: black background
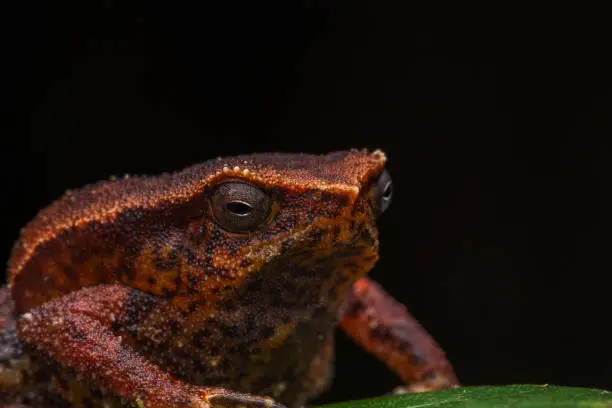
496, 122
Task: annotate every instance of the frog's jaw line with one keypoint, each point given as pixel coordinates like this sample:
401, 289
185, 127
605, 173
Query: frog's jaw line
271, 249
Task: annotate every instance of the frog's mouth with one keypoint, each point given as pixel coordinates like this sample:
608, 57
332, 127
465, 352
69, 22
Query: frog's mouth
312, 269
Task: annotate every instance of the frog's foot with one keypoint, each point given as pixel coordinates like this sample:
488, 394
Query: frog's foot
435, 384
222, 398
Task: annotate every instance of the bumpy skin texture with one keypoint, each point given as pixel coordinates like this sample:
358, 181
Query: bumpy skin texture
131, 292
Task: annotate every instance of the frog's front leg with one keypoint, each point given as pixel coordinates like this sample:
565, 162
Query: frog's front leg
383, 326
77, 331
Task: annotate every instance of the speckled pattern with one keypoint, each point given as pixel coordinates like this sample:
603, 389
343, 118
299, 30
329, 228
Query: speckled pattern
130, 291
344, 172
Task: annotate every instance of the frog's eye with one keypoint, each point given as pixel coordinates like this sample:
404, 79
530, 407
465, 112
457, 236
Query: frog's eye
240, 207
383, 192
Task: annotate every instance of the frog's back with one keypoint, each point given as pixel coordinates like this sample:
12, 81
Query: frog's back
87, 219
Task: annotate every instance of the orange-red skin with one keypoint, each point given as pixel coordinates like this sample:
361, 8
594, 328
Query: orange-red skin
132, 285
384, 327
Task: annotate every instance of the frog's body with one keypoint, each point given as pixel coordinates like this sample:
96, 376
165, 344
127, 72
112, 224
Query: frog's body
205, 287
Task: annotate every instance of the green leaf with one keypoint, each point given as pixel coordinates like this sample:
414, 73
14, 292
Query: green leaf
515, 396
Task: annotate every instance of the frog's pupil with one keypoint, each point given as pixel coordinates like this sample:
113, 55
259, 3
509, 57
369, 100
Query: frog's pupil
388, 191
239, 208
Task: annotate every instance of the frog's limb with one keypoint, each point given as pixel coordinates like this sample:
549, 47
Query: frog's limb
384, 327
77, 331
22, 385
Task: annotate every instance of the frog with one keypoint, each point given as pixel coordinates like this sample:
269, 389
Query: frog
219, 285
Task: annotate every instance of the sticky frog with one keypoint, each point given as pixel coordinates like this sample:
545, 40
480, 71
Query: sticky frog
217, 286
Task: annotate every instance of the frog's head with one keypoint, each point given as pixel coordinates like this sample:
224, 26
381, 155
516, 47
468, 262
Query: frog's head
300, 227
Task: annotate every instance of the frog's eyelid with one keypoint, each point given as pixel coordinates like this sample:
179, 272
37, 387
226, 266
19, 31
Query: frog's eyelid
241, 193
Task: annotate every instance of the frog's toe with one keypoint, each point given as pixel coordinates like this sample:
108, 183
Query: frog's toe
220, 398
